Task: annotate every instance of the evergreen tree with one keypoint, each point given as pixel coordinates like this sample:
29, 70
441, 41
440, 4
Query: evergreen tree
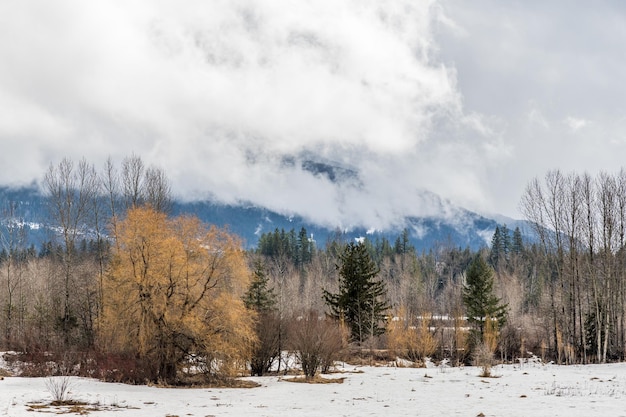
517, 245
259, 297
304, 249
361, 301
500, 247
402, 244
295, 247
383, 248
496, 248
335, 243
268, 330
506, 241
291, 245
371, 250
480, 301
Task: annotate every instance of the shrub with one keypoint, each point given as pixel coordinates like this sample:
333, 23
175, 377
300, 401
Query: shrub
483, 357
267, 350
316, 342
411, 339
59, 387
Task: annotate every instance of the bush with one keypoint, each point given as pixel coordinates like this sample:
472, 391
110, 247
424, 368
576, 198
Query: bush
316, 342
411, 339
59, 387
483, 357
267, 350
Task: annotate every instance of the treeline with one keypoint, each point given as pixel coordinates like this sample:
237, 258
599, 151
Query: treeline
132, 293
580, 223
427, 314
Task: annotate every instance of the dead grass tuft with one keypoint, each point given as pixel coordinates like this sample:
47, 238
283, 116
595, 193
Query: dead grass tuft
316, 380
64, 407
201, 382
67, 403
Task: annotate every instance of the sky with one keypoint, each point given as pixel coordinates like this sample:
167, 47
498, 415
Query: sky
419, 106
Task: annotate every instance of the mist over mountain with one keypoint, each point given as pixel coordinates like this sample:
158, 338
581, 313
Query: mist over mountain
342, 112
454, 226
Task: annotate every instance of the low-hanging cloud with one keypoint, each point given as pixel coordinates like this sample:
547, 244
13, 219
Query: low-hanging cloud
221, 94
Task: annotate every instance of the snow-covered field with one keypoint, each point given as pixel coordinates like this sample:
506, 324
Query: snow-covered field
528, 390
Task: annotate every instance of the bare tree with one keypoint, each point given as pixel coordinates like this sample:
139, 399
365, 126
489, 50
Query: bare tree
137, 185
316, 342
581, 225
572, 223
71, 189
13, 247
621, 260
133, 172
552, 209
606, 211
157, 190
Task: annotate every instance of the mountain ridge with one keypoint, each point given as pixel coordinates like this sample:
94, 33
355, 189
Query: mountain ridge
458, 227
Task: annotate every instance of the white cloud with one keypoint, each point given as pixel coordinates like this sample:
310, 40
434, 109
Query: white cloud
575, 123
467, 100
220, 93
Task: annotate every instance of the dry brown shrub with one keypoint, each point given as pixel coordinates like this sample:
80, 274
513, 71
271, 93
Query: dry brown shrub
483, 353
483, 357
410, 337
316, 341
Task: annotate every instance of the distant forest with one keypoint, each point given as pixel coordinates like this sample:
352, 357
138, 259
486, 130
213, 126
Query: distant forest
144, 293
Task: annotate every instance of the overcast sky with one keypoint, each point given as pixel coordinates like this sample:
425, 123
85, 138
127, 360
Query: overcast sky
469, 100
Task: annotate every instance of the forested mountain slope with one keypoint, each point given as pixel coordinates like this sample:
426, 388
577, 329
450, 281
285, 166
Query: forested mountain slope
27, 206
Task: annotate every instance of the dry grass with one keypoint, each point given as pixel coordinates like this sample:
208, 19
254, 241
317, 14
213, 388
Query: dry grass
316, 380
33, 407
236, 383
64, 407
202, 382
67, 403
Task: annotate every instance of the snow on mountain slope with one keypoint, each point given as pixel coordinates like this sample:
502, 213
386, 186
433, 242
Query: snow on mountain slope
447, 224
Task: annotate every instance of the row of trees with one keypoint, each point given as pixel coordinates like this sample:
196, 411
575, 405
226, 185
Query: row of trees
298, 248
165, 297
580, 224
152, 291
409, 283
147, 291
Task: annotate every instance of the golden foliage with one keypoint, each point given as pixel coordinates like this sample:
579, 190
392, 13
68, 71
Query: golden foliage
491, 334
410, 337
173, 292
483, 353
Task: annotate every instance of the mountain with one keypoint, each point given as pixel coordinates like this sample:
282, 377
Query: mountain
459, 227
249, 222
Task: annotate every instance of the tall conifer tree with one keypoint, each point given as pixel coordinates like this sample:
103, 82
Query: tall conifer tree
480, 301
361, 301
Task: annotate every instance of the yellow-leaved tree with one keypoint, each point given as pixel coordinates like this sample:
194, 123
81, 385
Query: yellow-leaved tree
410, 337
172, 298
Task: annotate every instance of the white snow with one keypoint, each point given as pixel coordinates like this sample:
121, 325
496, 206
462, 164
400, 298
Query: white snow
518, 390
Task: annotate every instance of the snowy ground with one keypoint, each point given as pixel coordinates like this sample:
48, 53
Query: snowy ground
528, 390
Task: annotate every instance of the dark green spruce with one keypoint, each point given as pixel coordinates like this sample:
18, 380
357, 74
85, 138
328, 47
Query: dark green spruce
262, 299
361, 302
479, 298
